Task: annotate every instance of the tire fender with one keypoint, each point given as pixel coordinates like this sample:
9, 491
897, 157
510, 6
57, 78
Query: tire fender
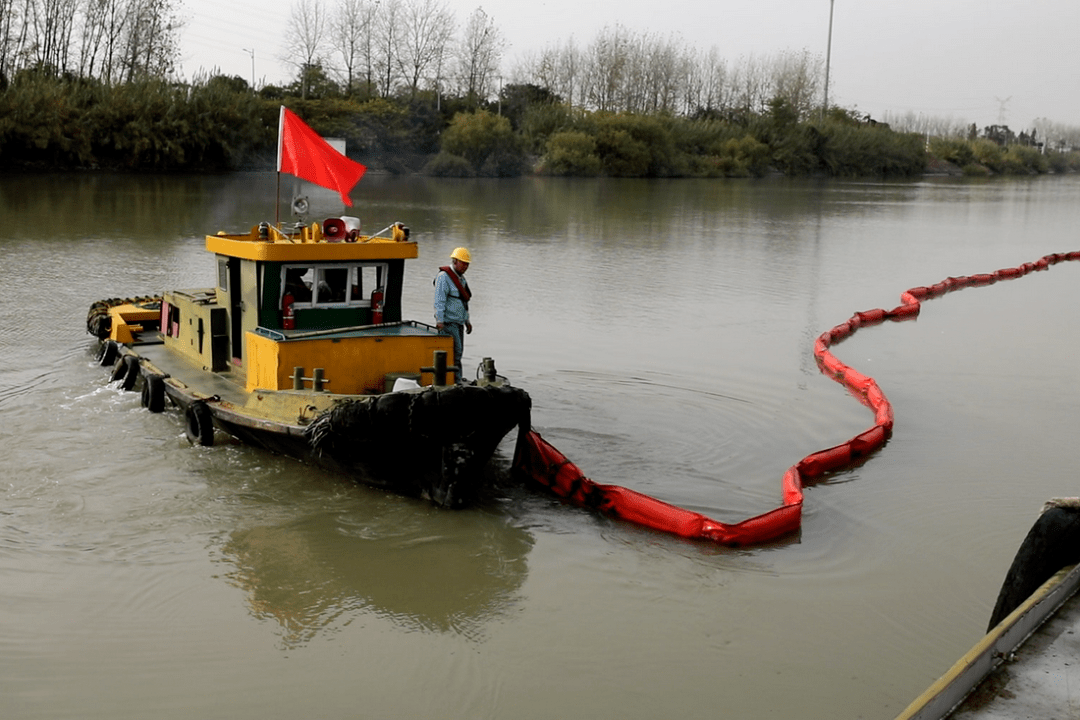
127, 372
200, 424
153, 393
107, 353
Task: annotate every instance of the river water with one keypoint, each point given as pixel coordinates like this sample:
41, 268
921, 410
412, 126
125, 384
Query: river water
664, 330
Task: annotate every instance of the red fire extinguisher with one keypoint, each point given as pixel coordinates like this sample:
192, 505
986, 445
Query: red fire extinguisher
376, 306
288, 320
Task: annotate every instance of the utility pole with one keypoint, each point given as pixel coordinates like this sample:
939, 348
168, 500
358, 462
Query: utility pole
828, 61
252, 54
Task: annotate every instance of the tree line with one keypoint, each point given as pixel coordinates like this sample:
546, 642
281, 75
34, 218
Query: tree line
393, 48
412, 91
219, 123
622, 70
110, 40
396, 48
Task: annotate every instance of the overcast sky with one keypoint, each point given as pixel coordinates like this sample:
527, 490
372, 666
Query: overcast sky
982, 61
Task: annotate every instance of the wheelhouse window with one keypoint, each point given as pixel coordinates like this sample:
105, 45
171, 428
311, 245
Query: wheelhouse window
344, 285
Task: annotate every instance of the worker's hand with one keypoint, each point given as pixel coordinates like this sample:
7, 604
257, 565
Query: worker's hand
468, 328
439, 325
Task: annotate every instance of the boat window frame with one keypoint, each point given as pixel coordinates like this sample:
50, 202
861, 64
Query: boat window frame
355, 274
223, 273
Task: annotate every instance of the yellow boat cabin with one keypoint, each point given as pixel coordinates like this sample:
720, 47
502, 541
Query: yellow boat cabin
316, 308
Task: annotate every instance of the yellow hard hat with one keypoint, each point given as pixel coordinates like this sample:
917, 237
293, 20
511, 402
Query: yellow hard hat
461, 254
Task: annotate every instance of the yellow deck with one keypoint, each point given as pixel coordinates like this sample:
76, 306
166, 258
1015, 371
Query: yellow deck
126, 321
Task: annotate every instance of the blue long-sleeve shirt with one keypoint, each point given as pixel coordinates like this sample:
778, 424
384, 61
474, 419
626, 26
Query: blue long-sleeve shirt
449, 307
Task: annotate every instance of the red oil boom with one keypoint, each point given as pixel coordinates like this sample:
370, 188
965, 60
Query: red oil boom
542, 463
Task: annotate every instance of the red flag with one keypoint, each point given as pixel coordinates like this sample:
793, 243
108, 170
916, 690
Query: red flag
301, 152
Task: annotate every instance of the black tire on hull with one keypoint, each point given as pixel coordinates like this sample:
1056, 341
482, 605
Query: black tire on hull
131, 373
153, 393
1052, 543
119, 370
107, 353
126, 372
200, 424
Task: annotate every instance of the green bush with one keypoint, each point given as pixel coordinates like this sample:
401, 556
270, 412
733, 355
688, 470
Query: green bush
958, 152
635, 145
487, 142
571, 153
700, 136
42, 121
858, 150
381, 126
797, 152
1023, 159
1061, 162
149, 124
621, 155
538, 123
738, 157
1057, 162
989, 154
446, 165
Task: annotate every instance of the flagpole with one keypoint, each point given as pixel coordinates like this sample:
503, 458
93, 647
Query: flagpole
277, 192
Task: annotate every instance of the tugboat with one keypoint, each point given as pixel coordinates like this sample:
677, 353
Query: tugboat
301, 348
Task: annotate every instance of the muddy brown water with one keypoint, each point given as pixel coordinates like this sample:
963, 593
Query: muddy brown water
665, 332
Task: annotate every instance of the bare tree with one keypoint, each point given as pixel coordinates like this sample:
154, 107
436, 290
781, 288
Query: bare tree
625, 71
151, 48
749, 86
387, 35
796, 77
935, 126
110, 39
705, 76
1057, 136
51, 31
114, 17
556, 68
604, 69
10, 27
478, 56
352, 41
570, 73
663, 73
304, 42
94, 34
425, 40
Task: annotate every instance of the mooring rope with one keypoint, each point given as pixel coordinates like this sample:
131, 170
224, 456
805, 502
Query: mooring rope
543, 463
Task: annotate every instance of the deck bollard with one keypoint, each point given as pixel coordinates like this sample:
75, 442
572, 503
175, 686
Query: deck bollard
439, 368
318, 379
490, 374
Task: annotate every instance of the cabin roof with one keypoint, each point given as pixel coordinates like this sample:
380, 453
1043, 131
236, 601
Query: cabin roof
310, 246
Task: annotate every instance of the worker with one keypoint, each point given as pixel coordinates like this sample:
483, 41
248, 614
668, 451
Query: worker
452, 297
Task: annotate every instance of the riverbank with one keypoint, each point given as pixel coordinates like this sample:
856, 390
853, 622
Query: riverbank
218, 125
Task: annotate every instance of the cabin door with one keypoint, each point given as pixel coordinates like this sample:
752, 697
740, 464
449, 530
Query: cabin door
236, 312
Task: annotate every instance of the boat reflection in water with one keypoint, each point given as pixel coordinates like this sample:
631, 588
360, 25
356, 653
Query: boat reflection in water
443, 573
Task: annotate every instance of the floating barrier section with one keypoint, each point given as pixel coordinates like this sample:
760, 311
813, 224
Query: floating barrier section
542, 463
